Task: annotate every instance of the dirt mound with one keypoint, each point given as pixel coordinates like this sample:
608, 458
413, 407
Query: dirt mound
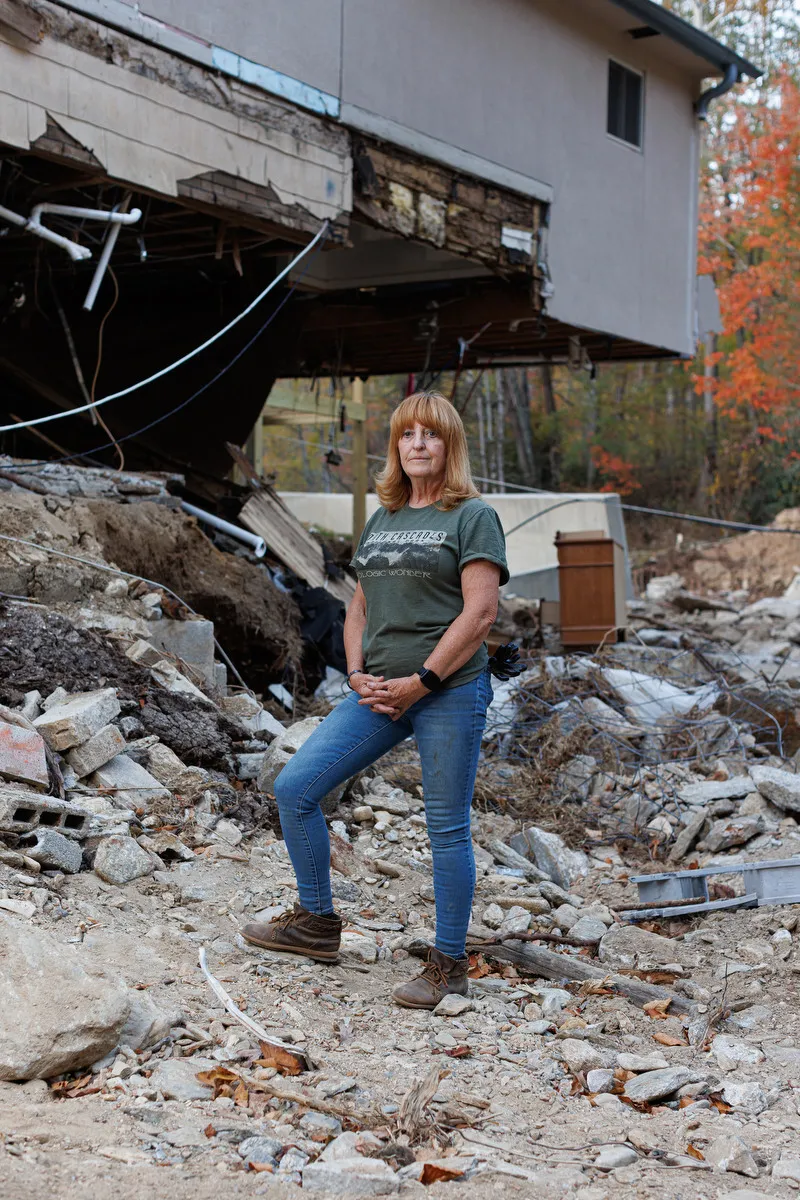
42, 650
763, 564
255, 622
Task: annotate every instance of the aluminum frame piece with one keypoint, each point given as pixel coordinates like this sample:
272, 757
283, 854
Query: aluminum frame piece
775, 882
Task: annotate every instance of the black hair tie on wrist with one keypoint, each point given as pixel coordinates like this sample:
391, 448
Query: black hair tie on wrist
505, 662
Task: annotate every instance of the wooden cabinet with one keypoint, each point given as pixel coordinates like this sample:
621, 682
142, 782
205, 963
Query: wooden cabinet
591, 580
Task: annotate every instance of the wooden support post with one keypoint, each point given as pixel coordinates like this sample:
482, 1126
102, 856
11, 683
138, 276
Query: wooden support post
360, 472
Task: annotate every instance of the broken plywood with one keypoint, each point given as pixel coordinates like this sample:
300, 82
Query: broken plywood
267, 515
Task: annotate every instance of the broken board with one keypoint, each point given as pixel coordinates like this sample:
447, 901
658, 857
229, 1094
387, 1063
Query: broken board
286, 538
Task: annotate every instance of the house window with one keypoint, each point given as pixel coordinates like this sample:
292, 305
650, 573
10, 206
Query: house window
625, 102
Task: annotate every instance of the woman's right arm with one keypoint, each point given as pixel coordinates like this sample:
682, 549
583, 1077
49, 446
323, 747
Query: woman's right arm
354, 625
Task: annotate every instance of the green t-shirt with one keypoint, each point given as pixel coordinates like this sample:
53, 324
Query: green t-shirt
409, 565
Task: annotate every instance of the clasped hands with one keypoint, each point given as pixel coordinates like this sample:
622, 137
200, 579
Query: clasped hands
390, 696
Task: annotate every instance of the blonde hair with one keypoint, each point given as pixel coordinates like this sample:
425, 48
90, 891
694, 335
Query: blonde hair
435, 412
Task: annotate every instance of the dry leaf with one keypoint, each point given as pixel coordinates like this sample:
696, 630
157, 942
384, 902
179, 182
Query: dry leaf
438, 1173
685, 1101
622, 1076
220, 1079
666, 1039
241, 1096
478, 967
459, 1052
657, 1009
253, 1166
719, 1103
693, 1152
210, 1131
288, 1062
596, 987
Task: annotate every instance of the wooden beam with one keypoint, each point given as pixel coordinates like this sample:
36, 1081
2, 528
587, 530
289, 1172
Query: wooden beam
360, 467
22, 19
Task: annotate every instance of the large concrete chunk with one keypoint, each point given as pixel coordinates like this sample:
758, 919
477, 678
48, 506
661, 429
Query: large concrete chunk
553, 856
351, 1177
280, 752
656, 1085
708, 790
168, 769
52, 849
629, 946
133, 787
191, 641
22, 756
249, 713
73, 723
120, 860
23, 811
100, 749
781, 787
54, 1015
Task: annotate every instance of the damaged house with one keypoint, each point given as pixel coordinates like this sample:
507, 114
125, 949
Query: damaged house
505, 182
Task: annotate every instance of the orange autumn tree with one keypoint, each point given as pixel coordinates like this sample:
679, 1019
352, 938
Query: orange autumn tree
750, 243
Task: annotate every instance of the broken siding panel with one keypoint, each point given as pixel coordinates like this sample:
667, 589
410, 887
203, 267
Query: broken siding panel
430, 203
152, 134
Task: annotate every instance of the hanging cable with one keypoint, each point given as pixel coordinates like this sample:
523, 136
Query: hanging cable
320, 235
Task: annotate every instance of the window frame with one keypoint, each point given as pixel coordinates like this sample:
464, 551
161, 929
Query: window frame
642, 75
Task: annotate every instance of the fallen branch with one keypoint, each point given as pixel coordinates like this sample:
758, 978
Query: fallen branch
559, 938
413, 1118
366, 1120
303, 1059
548, 965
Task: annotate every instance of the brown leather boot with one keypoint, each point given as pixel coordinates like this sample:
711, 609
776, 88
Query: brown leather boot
299, 932
440, 976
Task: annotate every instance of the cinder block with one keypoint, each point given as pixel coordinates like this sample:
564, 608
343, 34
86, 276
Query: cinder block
52, 849
133, 787
22, 755
73, 723
23, 811
95, 753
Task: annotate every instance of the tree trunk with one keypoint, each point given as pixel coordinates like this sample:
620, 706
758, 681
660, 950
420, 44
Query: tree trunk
551, 471
481, 403
501, 432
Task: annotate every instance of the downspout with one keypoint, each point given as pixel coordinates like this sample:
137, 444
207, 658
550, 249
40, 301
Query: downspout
703, 101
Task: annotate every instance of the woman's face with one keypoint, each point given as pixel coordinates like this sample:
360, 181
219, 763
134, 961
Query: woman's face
423, 454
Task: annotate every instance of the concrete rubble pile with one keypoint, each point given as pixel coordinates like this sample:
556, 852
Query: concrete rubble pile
666, 1052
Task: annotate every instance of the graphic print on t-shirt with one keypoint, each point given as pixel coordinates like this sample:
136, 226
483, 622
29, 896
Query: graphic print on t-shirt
401, 552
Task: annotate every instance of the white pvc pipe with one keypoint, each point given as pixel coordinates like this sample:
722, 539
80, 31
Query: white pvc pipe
259, 546
105, 256
76, 252
110, 216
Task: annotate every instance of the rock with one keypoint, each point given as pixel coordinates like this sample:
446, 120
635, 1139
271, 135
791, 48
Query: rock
642, 1062
553, 1001
452, 1005
588, 929
248, 765
191, 641
729, 1053
756, 805
556, 895
745, 1097
504, 854
73, 723
600, 1080
174, 681
730, 1153
516, 920
612, 1157
348, 1146
143, 652
729, 832
493, 916
687, 837
176, 1078
625, 945
260, 1150
106, 744
565, 916
132, 786
120, 859
709, 790
249, 713
574, 780
780, 787
146, 1023
555, 859
31, 706
395, 802
20, 908
320, 1127
351, 1177
580, 1055
363, 813
226, 831
787, 1168
52, 849
656, 1085
54, 1015
22, 756
166, 845
167, 768
356, 945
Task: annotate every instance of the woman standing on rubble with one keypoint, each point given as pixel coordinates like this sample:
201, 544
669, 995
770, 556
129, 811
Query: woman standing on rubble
430, 563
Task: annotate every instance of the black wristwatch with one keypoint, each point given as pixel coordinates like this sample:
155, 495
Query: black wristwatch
430, 680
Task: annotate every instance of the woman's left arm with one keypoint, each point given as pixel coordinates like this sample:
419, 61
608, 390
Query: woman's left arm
480, 586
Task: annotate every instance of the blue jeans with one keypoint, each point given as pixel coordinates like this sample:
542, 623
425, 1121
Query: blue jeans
448, 726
